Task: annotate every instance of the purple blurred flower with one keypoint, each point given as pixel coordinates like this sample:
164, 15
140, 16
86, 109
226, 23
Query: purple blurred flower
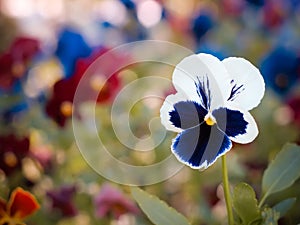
62, 200
111, 201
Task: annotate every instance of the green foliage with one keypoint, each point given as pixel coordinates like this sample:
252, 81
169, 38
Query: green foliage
157, 211
245, 204
284, 206
282, 172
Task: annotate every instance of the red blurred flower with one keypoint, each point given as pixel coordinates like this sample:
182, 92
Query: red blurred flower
60, 106
62, 200
12, 151
14, 62
294, 104
21, 204
112, 201
233, 7
274, 13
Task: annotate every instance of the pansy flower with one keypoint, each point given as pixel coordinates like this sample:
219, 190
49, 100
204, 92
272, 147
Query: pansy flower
60, 105
62, 200
21, 204
111, 200
12, 151
210, 108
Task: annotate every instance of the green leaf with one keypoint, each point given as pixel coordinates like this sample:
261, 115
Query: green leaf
284, 206
245, 203
282, 172
270, 217
157, 211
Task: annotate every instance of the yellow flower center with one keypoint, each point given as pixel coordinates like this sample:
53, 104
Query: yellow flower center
10, 159
210, 119
18, 69
66, 108
6, 219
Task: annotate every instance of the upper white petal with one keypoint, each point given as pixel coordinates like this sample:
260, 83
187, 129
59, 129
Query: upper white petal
167, 107
246, 74
201, 67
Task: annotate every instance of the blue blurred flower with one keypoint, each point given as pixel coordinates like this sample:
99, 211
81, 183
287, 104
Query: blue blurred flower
210, 108
212, 49
128, 4
201, 24
281, 69
70, 47
256, 2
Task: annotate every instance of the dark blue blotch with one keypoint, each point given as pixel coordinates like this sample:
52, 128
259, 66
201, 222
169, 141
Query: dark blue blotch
187, 114
199, 144
70, 47
202, 87
232, 122
236, 89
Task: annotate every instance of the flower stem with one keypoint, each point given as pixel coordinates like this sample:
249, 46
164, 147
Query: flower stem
227, 191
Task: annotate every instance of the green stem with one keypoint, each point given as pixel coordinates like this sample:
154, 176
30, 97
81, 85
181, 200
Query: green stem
262, 201
227, 191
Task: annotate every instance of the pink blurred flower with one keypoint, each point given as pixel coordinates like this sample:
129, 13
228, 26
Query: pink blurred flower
44, 156
111, 201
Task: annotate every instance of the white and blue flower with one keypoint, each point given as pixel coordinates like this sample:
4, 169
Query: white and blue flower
210, 108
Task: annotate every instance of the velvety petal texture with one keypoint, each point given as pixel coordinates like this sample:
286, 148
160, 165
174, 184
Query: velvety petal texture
199, 147
22, 204
210, 108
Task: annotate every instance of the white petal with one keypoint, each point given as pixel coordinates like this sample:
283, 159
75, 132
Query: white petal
251, 131
203, 67
167, 107
248, 77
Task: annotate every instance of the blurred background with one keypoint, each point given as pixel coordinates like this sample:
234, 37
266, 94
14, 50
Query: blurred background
46, 47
